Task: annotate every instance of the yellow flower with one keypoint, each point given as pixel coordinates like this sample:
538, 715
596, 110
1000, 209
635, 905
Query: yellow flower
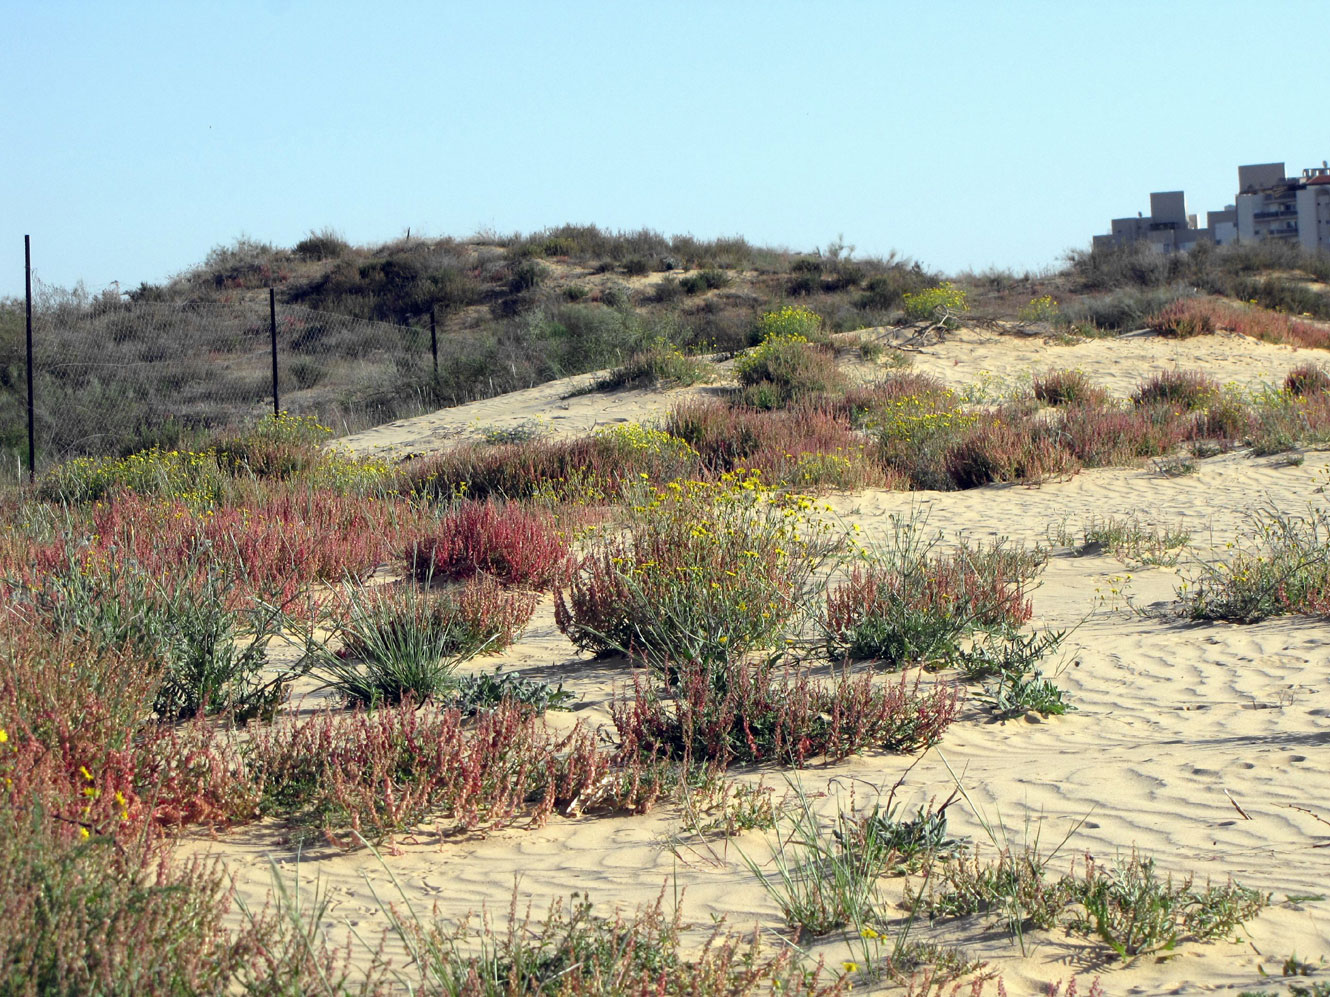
83, 833
4, 735
850, 967
867, 932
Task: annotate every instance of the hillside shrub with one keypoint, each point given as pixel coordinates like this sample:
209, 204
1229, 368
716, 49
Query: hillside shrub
786, 368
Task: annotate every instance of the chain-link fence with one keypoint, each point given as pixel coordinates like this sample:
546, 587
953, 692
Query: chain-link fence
112, 376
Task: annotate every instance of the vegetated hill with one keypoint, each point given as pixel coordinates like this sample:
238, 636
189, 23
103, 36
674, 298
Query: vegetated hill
513, 312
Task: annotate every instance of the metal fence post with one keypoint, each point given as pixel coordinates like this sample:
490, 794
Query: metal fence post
272, 323
27, 287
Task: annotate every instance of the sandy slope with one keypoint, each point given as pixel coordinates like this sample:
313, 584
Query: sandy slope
1177, 725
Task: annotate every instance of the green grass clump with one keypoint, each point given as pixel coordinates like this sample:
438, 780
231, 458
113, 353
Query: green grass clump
403, 642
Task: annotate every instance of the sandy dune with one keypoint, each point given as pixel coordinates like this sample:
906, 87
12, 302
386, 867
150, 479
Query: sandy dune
1194, 742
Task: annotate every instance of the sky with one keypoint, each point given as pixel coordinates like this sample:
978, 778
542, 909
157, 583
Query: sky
965, 135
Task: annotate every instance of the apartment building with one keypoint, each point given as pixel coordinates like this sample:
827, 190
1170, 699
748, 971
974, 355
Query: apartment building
1269, 205
1168, 227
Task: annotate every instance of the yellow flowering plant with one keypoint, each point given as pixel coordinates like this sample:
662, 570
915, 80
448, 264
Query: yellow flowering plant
705, 571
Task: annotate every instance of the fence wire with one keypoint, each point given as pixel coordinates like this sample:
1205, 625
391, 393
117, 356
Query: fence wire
113, 377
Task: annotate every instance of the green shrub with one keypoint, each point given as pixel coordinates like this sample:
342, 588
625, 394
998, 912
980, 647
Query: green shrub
1040, 309
704, 572
1135, 911
1307, 379
786, 368
936, 304
1120, 310
277, 446
912, 602
789, 322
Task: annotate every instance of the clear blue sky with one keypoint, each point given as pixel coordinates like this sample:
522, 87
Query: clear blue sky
139, 135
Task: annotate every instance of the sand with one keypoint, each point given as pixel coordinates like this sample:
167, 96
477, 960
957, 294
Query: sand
1196, 743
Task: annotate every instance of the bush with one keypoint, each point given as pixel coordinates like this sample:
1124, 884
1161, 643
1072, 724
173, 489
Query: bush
792, 321
527, 275
1307, 379
201, 655
912, 603
1040, 309
660, 364
1067, 387
403, 642
277, 446
1283, 567
745, 712
936, 304
704, 572
1186, 389
916, 422
1007, 449
322, 245
786, 368
576, 951
383, 770
514, 545
1103, 436
1182, 320
1195, 316
1121, 310
1135, 911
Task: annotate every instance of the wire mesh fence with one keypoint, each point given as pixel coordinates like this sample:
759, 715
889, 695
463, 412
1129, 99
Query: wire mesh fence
111, 376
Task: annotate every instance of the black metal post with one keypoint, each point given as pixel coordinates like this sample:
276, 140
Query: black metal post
272, 323
27, 287
434, 342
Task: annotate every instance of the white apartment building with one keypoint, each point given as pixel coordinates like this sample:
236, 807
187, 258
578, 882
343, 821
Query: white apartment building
1269, 205
1274, 206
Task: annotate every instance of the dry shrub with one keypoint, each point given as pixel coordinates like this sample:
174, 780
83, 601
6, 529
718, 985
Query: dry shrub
807, 445
1101, 436
1007, 450
1186, 389
1200, 316
508, 542
1307, 379
1068, 387
741, 711
374, 772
